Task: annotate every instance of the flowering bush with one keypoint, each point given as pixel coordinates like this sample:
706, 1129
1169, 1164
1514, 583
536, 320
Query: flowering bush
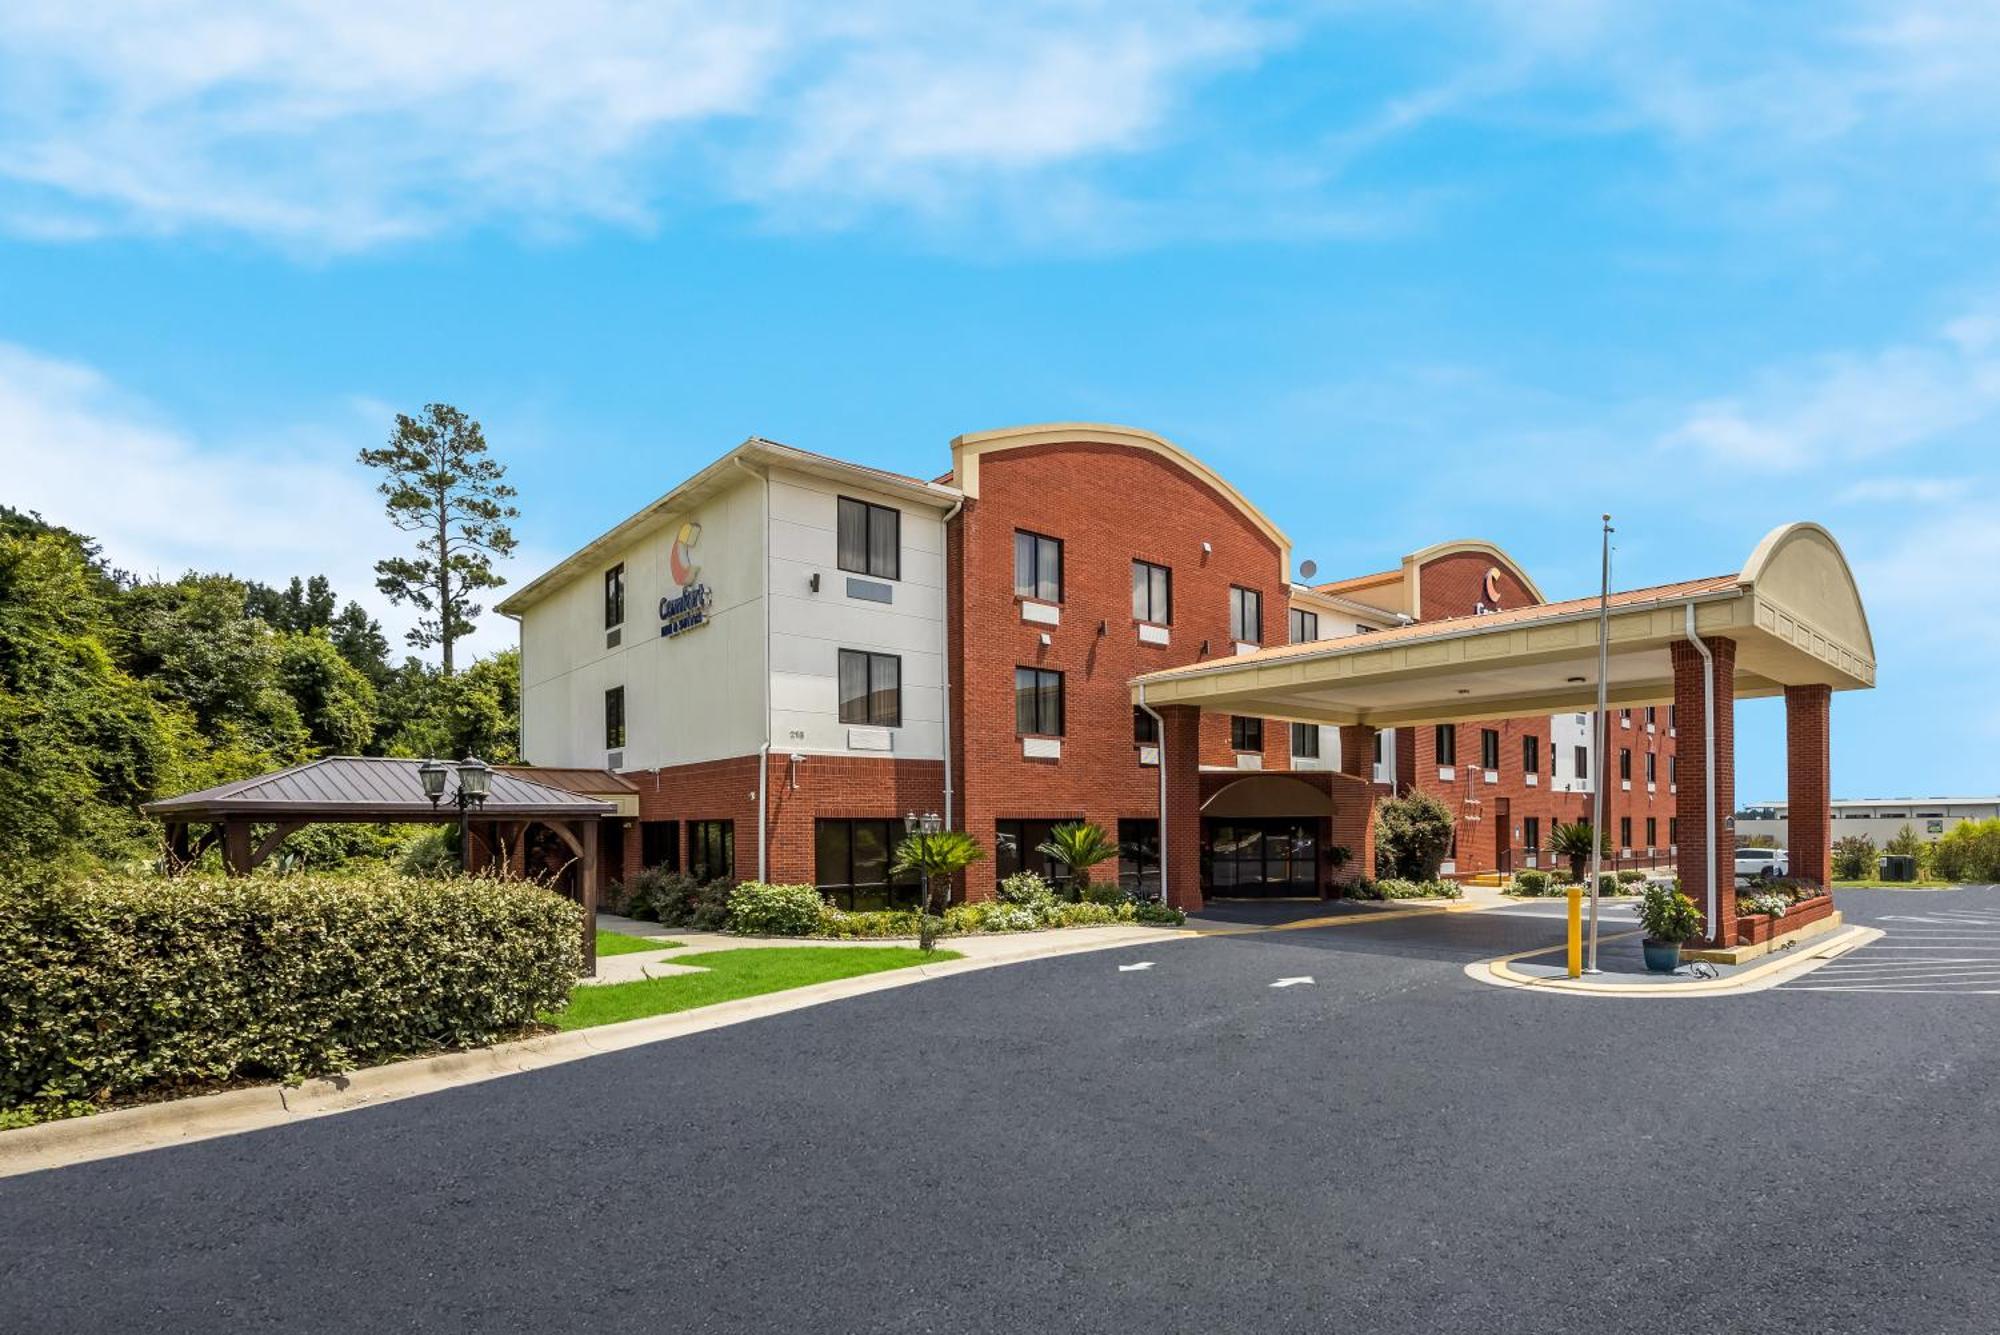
760, 909
1772, 902
1396, 888
1028, 888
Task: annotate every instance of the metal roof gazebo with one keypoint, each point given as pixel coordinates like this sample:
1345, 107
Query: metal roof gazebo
374, 790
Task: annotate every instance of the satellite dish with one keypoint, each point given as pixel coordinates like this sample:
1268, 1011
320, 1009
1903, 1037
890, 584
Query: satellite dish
1307, 569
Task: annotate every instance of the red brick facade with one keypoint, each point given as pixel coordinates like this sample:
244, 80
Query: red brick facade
1695, 863
1808, 785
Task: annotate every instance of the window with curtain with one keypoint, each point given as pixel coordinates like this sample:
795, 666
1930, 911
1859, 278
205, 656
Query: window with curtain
1152, 593
1531, 754
1037, 566
1489, 748
1445, 737
1038, 702
1305, 626
614, 596
871, 689
1246, 734
1246, 615
870, 539
1305, 741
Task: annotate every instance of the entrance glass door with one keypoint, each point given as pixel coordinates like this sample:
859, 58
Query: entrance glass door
1260, 856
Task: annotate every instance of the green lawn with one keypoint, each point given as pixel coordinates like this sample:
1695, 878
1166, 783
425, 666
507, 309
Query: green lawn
732, 974
621, 943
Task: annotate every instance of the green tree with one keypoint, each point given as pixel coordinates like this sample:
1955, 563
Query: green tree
477, 712
309, 605
81, 742
335, 701
1571, 842
1079, 846
1412, 835
440, 484
936, 858
1854, 857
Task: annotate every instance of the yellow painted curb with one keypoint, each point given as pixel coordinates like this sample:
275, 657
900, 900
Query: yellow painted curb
1778, 969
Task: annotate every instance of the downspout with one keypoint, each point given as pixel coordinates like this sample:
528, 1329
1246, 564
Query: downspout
764, 751
944, 635
1159, 731
1707, 765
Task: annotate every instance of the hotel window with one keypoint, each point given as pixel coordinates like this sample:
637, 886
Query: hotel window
1145, 728
1017, 846
712, 850
1531, 833
1673, 716
1037, 567
1624, 831
1305, 741
1246, 615
1139, 857
1378, 747
1038, 702
1652, 767
1489, 748
614, 718
1152, 593
1652, 715
1305, 626
1531, 754
1624, 716
871, 689
1625, 763
614, 596
1652, 831
1673, 829
660, 844
851, 864
1582, 762
870, 539
1446, 736
1246, 734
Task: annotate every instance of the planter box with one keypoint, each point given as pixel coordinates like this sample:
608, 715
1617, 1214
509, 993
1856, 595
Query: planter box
1756, 928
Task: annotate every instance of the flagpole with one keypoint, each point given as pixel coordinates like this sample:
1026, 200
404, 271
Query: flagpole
1601, 743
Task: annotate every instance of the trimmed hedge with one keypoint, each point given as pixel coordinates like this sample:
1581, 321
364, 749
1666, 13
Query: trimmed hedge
760, 909
120, 986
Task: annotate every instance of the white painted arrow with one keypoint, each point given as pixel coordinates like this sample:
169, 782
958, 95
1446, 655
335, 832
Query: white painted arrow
1293, 982
1127, 968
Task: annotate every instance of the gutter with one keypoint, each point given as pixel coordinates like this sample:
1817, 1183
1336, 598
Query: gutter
944, 636
764, 751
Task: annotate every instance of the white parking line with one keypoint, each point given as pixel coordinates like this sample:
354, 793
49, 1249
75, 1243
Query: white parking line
1946, 953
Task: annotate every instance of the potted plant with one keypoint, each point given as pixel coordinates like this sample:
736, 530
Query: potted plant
1669, 918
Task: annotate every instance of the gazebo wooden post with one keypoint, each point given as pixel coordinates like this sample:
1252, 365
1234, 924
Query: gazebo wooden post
237, 858
589, 890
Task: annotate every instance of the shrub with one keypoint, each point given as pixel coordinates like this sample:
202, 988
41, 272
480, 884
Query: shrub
1854, 857
1669, 915
1026, 887
1532, 883
1109, 894
432, 853
1631, 876
117, 986
1152, 910
1766, 901
757, 908
877, 923
1412, 835
675, 899
1969, 851
1396, 888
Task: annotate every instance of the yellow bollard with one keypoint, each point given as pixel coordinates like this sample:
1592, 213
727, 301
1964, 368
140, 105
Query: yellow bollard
1576, 931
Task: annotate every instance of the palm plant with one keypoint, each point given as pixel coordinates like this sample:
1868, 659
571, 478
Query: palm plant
1575, 842
936, 858
1079, 846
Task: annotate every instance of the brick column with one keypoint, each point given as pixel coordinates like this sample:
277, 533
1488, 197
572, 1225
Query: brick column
1180, 755
1354, 805
1808, 784
1692, 802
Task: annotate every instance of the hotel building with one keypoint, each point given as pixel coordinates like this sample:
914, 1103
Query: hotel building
786, 654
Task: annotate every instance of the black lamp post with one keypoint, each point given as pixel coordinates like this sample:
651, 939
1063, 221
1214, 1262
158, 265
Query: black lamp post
475, 779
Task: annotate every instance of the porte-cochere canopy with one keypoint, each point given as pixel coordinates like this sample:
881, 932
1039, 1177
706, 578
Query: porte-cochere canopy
1793, 611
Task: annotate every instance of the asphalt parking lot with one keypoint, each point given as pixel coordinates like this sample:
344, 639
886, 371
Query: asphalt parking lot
1079, 1145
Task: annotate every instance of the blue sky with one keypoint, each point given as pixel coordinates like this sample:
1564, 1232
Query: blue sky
1404, 271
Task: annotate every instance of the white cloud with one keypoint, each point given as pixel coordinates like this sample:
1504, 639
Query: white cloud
349, 124
93, 458
1847, 408
1916, 490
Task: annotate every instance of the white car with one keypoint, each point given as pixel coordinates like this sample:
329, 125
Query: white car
1762, 864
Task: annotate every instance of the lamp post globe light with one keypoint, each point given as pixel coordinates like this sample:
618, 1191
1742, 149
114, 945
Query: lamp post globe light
475, 780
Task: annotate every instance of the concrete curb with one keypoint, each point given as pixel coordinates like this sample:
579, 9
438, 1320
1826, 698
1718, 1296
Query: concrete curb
183, 1121
1776, 969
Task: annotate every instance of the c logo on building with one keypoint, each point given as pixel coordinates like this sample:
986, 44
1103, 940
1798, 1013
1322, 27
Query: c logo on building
681, 563
1492, 586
